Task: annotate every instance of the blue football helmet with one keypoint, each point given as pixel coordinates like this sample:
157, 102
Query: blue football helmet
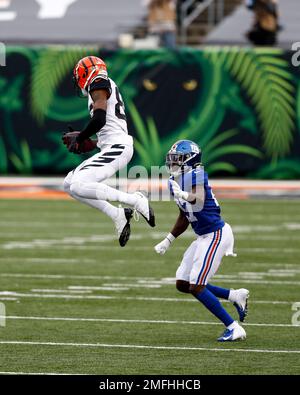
183, 156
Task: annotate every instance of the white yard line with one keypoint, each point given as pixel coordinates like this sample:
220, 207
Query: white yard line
257, 281
7, 299
77, 246
238, 236
73, 276
136, 321
149, 347
283, 266
59, 225
81, 290
47, 260
81, 247
70, 260
110, 297
117, 286
75, 291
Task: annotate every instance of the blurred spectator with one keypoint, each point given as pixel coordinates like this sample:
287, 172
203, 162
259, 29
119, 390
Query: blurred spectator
162, 21
265, 27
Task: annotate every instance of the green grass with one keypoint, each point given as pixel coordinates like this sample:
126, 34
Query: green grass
54, 245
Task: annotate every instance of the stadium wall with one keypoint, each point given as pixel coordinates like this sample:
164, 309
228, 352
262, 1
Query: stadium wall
241, 105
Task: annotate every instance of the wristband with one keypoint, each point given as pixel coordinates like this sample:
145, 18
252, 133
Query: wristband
171, 238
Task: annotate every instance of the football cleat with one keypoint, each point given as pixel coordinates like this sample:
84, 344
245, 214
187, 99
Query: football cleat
142, 206
230, 335
123, 225
241, 304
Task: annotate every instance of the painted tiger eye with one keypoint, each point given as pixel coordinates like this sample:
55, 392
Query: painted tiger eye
149, 85
190, 85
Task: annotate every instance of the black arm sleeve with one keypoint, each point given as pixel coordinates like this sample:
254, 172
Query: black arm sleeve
95, 124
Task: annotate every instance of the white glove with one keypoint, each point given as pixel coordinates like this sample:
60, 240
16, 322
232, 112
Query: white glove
164, 245
178, 193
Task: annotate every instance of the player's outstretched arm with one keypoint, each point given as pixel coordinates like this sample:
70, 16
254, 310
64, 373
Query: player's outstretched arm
180, 227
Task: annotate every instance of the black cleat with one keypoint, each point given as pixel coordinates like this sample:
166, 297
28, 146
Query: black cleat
151, 220
124, 228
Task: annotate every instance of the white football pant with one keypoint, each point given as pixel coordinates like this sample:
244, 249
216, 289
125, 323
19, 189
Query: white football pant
85, 182
203, 257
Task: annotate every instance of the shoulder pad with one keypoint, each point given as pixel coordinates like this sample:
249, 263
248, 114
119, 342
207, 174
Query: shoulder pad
100, 83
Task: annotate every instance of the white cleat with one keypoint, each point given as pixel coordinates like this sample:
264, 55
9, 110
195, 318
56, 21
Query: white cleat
122, 224
231, 335
241, 303
143, 207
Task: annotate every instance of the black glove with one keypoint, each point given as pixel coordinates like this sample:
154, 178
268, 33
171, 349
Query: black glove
70, 140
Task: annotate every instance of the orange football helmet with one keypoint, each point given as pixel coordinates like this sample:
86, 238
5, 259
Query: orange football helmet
86, 70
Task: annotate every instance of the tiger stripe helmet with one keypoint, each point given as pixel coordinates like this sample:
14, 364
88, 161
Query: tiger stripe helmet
87, 70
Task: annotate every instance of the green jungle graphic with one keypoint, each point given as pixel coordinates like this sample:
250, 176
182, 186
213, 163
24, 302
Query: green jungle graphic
241, 105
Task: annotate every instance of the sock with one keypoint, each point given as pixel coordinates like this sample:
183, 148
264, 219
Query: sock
232, 295
212, 303
233, 325
219, 292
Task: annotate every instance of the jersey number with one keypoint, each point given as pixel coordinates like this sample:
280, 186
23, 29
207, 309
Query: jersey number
119, 106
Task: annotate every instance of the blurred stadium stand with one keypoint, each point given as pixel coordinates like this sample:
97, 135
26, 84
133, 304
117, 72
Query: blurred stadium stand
232, 29
102, 22
199, 17
84, 21
196, 18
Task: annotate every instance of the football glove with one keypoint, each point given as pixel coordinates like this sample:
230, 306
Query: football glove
70, 140
177, 191
164, 245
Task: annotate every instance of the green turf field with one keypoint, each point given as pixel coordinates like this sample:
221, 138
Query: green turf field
80, 304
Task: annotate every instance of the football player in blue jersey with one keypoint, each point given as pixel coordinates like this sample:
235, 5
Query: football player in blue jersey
198, 206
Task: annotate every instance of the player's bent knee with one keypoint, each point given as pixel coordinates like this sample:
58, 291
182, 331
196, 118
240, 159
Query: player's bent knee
75, 188
67, 186
183, 286
196, 289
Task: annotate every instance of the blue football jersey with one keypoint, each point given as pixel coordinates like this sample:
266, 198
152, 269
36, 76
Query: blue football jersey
204, 218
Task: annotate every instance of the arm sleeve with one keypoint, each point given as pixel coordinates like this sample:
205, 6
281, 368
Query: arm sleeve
95, 124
